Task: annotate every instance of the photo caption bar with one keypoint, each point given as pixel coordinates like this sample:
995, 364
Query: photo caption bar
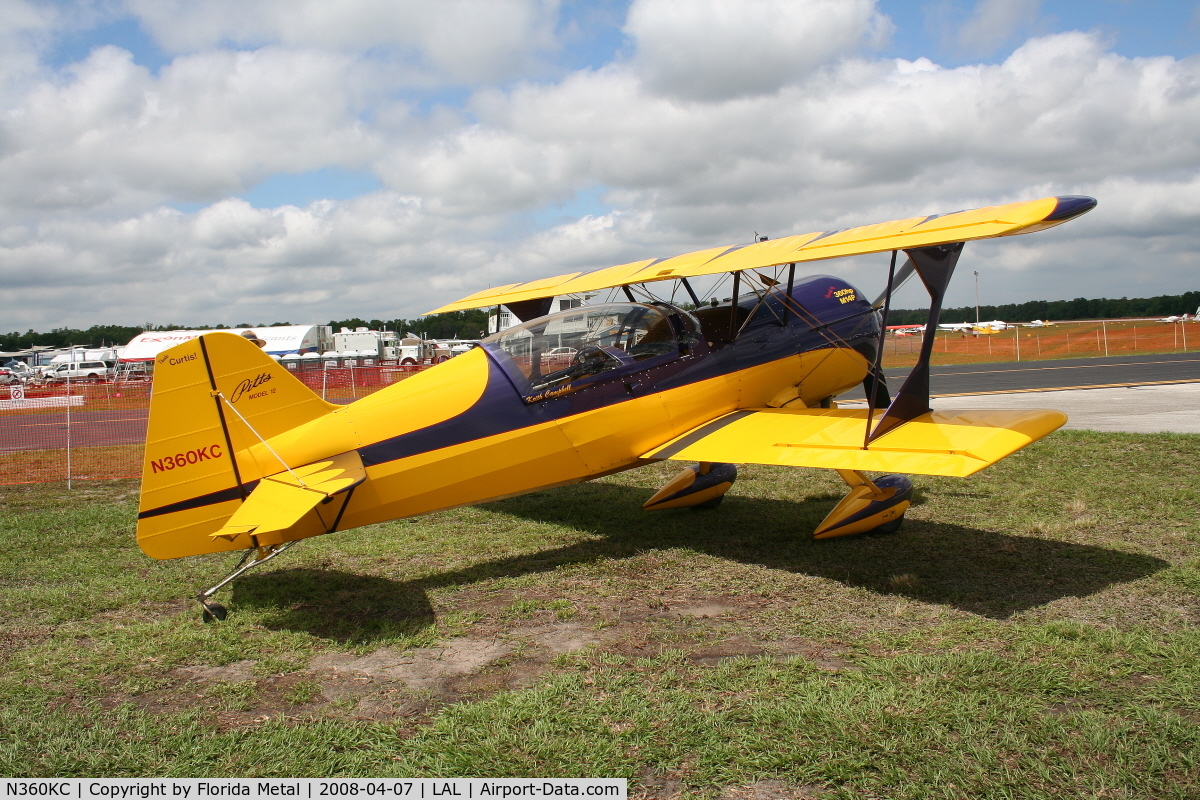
310, 788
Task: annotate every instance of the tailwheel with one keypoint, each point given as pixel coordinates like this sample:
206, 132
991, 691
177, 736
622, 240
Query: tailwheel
213, 612
873, 506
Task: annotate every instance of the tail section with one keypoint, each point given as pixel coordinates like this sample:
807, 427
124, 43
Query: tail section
213, 398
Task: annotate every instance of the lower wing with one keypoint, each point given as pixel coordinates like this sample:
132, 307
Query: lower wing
951, 443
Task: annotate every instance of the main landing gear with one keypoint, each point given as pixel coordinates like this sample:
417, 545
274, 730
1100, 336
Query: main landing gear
701, 486
215, 612
872, 506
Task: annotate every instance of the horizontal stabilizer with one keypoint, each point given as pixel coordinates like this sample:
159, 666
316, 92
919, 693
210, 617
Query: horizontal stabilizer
951, 443
280, 501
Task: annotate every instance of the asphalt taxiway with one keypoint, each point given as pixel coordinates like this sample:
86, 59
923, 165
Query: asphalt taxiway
1134, 393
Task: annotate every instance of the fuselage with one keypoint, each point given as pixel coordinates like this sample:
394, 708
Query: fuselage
567, 398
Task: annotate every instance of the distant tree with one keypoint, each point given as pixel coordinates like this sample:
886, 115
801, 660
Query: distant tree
460, 324
471, 324
95, 336
1079, 308
337, 325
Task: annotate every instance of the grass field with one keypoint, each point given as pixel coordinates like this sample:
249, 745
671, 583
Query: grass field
1031, 632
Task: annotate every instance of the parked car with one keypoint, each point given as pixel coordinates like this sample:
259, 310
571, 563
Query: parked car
91, 371
16, 372
558, 358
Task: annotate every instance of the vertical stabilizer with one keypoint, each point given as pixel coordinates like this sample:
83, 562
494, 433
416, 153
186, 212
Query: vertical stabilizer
208, 393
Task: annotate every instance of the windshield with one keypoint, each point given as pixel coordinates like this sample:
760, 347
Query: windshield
579, 343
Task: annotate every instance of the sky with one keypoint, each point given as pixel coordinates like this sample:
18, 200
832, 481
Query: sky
227, 161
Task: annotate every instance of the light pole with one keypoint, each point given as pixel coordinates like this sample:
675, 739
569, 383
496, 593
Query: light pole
976, 297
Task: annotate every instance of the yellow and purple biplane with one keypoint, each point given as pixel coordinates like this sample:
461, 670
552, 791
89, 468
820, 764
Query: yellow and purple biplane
242, 456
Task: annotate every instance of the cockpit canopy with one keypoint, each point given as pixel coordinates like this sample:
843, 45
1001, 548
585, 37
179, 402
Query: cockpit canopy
583, 342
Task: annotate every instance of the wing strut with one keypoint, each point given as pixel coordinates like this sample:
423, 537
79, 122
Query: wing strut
874, 380
691, 292
934, 266
788, 296
733, 306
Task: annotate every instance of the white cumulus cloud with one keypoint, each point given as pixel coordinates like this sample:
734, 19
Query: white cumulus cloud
730, 120
469, 41
719, 49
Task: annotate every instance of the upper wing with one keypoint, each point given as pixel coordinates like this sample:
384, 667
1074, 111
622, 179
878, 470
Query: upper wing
952, 443
981, 223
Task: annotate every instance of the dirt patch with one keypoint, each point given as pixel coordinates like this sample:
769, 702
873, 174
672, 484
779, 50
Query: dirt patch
499, 654
1191, 715
733, 647
393, 683
426, 668
237, 671
652, 785
704, 611
774, 790
16, 639
231, 697
562, 638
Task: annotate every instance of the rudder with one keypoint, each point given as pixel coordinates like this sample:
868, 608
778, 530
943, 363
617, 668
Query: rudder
208, 392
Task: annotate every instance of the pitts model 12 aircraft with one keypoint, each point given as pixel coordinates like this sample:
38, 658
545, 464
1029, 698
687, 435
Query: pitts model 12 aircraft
240, 455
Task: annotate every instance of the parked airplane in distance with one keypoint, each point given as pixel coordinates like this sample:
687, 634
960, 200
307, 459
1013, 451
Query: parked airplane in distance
977, 328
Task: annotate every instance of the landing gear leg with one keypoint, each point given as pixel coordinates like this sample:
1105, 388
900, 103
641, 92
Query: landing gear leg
215, 612
872, 506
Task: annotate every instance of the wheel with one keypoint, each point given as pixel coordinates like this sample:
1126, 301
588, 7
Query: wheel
93, 378
716, 501
213, 612
408, 362
440, 359
888, 528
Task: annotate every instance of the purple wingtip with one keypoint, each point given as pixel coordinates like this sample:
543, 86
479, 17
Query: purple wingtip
1071, 206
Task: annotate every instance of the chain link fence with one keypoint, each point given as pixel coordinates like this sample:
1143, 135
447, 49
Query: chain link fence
1061, 340
97, 430
78, 431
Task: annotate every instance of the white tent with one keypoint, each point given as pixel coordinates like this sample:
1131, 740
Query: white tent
280, 340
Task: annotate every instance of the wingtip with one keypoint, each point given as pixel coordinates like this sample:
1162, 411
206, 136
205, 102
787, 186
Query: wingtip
1071, 206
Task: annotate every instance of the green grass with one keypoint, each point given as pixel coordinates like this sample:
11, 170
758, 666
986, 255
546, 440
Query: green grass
1031, 632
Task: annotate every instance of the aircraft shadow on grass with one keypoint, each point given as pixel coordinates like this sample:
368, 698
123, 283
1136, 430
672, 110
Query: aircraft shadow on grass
340, 606
982, 572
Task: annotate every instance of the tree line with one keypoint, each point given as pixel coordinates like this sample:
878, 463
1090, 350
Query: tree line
473, 324
1057, 310
470, 324
455, 324
101, 335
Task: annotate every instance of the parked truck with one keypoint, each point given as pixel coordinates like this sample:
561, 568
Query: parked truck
367, 343
422, 351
